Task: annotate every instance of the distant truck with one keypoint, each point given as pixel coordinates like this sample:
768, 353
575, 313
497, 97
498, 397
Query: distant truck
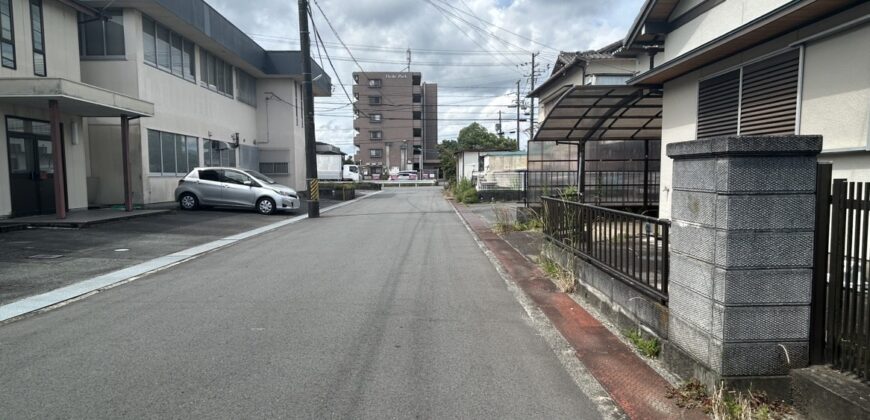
332, 168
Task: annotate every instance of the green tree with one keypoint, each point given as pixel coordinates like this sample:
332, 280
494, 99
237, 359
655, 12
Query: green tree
447, 155
477, 137
348, 160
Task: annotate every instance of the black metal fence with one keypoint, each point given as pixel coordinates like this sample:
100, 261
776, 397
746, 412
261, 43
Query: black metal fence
840, 333
550, 183
628, 246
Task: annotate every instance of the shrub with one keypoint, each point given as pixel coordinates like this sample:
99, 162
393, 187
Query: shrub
464, 192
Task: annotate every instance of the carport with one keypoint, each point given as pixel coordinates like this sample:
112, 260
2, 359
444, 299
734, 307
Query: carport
611, 135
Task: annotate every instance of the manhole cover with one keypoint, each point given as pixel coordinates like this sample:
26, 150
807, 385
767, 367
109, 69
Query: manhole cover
44, 257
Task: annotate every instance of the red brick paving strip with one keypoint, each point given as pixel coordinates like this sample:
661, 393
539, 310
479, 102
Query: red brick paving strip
632, 384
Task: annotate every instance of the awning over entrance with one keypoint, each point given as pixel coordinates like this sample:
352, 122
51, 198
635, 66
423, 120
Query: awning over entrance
72, 97
66, 96
596, 113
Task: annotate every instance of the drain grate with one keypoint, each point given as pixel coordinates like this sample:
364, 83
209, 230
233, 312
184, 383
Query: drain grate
45, 257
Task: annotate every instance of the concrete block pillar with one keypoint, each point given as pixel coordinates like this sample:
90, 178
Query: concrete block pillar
742, 255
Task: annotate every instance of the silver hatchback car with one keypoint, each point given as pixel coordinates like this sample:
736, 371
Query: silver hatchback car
233, 187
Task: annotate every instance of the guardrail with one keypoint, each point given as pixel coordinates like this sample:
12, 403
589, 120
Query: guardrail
627, 246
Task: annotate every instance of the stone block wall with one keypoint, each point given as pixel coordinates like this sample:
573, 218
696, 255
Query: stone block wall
742, 253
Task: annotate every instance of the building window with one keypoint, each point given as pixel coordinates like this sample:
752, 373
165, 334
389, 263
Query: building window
218, 153
102, 37
216, 74
417, 98
275, 168
171, 154
355, 78
375, 83
375, 118
374, 100
758, 99
167, 50
416, 80
417, 115
38, 32
607, 79
376, 134
376, 153
7, 35
418, 132
247, 88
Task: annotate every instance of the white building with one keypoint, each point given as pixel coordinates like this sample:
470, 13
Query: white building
194, 89
760, 67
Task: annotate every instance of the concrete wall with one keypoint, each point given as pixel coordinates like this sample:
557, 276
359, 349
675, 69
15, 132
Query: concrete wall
280, 132
835, 99
620, 303
836, 90
61, 41
467, 165
719, 20
505, 163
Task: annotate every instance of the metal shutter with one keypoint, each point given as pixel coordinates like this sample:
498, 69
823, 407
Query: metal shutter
718, 102
770, 88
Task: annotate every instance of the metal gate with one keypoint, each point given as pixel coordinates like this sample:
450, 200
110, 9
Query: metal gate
840, 325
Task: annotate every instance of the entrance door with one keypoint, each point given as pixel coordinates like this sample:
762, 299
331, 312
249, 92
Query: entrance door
31, 173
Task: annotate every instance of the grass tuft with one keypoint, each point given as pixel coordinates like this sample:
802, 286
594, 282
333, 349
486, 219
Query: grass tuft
729, 404
649, 347
563, 279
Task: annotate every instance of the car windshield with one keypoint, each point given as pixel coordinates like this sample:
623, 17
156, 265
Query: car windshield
261, 177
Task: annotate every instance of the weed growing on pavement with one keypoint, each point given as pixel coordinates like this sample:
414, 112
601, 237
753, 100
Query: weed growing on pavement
729, 404
505, 221
563, 279
648, 347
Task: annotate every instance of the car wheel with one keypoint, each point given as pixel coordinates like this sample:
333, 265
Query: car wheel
265, 206
188, 201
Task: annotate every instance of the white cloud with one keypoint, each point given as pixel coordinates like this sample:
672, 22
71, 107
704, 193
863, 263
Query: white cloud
380, 30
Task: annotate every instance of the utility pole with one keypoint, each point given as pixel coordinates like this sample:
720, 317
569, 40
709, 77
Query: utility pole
532, 100
519, 109
499, 131
308, 110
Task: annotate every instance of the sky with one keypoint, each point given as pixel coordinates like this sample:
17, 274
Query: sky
476, 50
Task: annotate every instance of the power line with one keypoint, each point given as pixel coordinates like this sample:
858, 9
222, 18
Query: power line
477, 28
475, 16
317, 36
422, 51
443, 13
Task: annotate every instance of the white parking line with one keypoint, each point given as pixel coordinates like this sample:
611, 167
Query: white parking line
57, 296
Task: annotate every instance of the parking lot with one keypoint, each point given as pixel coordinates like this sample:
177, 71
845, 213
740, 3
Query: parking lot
35, 261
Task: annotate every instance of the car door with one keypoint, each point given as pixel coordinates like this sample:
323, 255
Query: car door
236, 192
209, 188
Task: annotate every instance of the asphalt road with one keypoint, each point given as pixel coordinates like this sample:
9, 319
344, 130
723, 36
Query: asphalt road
382, 309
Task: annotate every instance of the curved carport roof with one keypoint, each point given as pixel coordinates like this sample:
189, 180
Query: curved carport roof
601, 113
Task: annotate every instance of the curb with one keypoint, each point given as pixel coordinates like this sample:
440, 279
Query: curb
67, 294
634, 386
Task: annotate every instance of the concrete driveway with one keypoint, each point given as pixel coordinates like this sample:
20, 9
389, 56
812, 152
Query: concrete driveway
36, 261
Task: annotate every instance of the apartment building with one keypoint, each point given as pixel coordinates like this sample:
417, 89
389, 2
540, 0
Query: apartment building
396, 122
760, 67
188, 86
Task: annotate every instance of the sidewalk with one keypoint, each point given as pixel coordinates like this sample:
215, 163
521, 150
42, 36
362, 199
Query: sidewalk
635, 386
